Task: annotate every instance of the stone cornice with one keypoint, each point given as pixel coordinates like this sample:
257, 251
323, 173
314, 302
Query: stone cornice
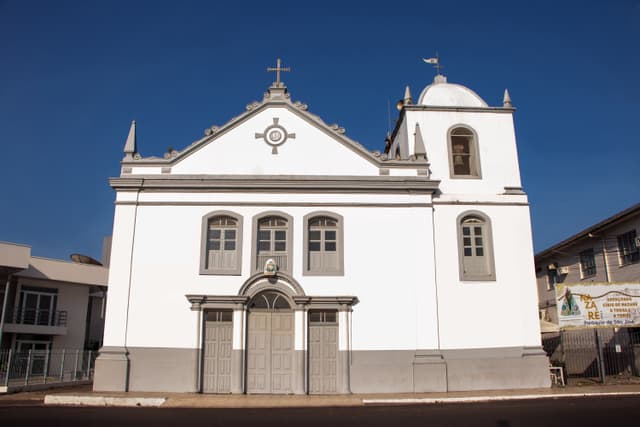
311, 300
201, 299
276, 183
506, 110
204, 302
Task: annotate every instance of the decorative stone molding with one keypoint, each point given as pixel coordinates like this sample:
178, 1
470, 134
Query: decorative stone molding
259, 282
170, 154
337, 129
211, 130
340, 303
301, 106
201, 302
514, 191
275, 135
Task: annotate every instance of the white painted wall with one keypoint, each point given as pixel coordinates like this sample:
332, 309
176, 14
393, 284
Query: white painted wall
388, 266
119, 273
500, 313
377, 241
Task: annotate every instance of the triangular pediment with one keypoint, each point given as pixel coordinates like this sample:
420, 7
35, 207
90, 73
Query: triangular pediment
275, 138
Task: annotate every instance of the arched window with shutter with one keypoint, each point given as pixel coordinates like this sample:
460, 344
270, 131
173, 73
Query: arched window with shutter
221, 243
323, 244
272, 239
475, 247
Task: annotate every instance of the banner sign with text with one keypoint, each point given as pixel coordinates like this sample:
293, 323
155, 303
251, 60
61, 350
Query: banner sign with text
598, 305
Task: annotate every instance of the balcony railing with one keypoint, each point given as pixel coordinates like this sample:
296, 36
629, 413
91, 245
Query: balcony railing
37, 317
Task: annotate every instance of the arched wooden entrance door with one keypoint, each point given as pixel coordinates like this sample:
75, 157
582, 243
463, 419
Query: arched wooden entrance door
270, 344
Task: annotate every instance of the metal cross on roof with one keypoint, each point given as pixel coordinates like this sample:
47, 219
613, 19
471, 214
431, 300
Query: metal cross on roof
277, 69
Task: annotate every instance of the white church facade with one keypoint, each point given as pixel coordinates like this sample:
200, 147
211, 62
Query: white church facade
277, 255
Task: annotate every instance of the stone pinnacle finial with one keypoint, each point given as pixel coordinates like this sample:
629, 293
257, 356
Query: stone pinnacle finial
418, 146
130, 146
506, 101
407, 96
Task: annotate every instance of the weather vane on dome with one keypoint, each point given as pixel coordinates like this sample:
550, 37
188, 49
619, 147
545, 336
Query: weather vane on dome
277, 69
435, 61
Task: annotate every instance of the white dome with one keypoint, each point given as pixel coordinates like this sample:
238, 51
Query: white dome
443, 94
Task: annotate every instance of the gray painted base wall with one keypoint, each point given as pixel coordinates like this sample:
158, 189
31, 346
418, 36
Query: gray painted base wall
111, 369
411, 371
383, 371
146, 369
237, 381
299, 369
163, 369
496, 369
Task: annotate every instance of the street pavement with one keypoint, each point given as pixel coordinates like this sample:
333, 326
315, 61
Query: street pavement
583, 412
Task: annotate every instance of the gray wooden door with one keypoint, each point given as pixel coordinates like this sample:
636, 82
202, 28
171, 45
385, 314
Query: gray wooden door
323, 353
282, 352
259, 353
217, 352
270, 351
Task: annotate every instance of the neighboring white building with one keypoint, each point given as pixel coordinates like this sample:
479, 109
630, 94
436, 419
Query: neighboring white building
410, 270
48, 304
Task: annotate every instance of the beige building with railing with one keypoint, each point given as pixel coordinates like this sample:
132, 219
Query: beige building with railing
49, 304
606, 252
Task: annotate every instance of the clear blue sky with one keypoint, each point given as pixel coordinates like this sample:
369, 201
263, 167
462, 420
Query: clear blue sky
73, 74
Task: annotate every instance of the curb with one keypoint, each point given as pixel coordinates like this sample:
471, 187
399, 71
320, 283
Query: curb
154, 402
478, 399
61, 400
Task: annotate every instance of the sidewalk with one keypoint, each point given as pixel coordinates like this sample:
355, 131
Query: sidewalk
83, 396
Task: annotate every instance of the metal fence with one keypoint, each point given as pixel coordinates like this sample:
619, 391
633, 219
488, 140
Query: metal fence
23, 368
595, 353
